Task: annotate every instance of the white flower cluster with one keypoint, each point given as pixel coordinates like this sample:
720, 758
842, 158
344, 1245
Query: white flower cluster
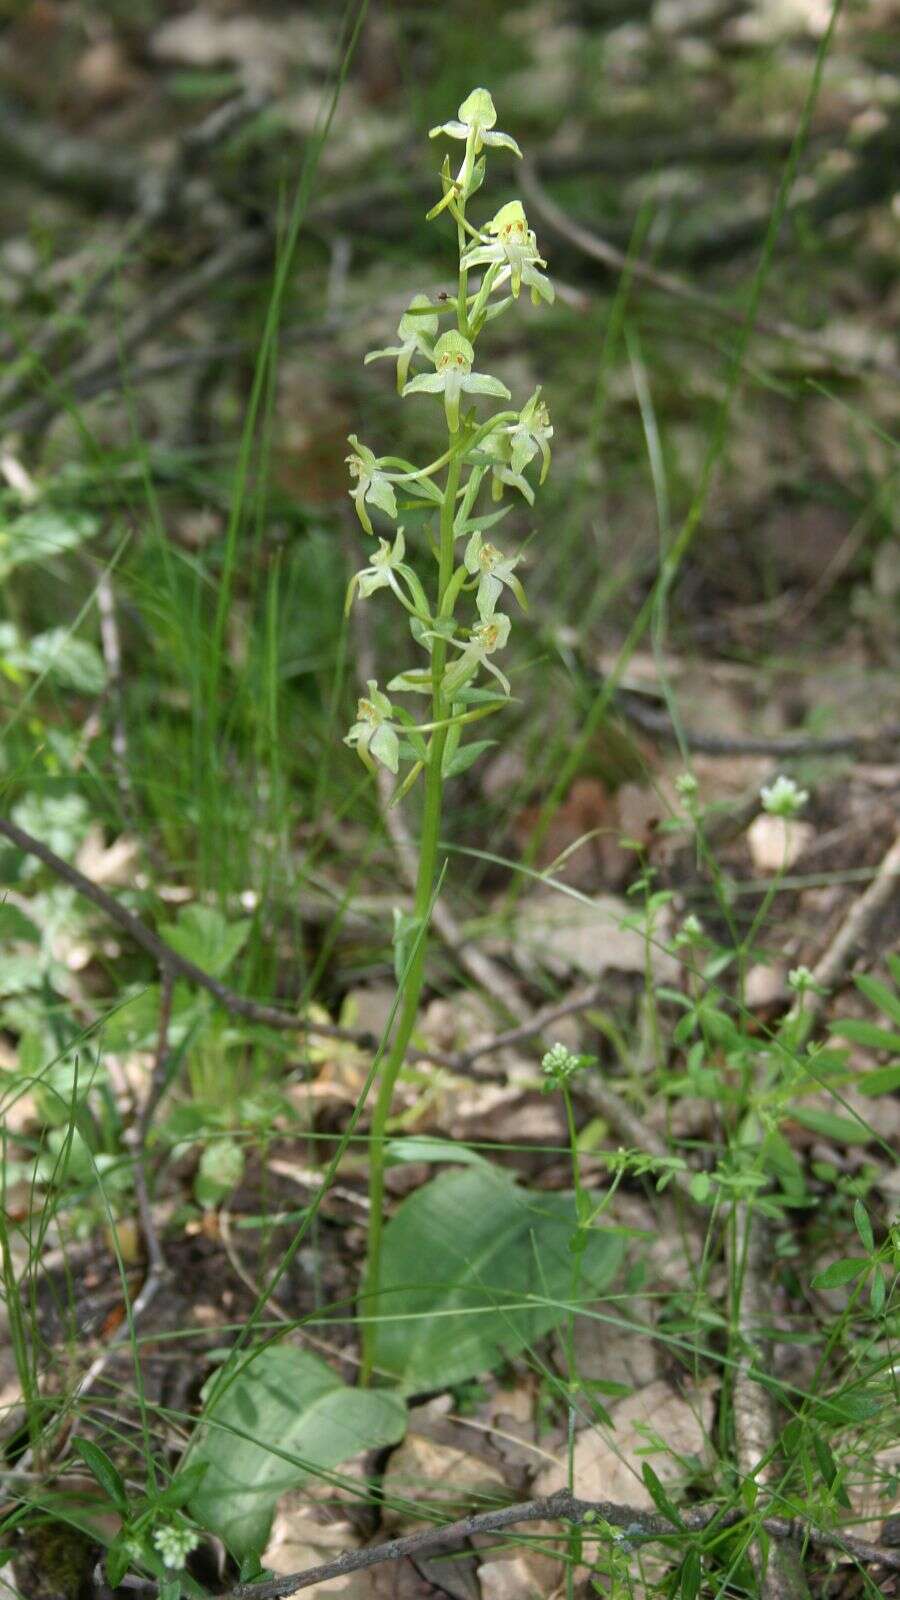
175, 1544
783, 798
560, 1064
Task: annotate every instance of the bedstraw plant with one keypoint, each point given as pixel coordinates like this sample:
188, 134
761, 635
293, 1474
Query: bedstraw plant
455, 619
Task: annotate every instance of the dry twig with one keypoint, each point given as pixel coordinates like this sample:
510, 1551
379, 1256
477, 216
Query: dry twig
639, 1527
590, 244
860, 921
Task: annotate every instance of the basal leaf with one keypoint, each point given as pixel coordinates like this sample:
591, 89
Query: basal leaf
474, 1269
41, 534
282, 1419
203, 936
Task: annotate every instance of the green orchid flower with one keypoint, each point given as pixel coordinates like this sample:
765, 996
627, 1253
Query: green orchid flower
493, 569
453, 376
372, 734
416, 335
491, 635
514, 250
372, 483
477, 116
498, 448
386, 567
530, 434
382, 572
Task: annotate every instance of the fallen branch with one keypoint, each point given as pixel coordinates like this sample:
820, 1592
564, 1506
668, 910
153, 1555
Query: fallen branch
590, 244
852, 934
89, 371
881, 744
168, 960
639, 1526
756, 1429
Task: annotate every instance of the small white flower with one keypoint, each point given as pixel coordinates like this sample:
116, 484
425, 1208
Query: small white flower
687, 787
801, 980
491, 635
372, 483
560, 1064
493, 569
372, 733
690, 933
175, 1545
783, 798
416, 333
453, 356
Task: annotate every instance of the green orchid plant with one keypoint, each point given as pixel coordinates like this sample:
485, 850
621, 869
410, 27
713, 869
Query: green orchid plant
460, 675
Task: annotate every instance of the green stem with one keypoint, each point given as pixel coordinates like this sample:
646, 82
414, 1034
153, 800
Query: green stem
425, 881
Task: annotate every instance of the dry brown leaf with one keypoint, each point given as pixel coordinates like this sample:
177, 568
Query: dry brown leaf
113, 864
563, 935
616, 1355
608, 1463
513, 1579
424, 1471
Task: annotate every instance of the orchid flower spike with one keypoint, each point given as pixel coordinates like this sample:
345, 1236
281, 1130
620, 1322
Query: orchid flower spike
416, 331
372, 734
477, 116
453, 376
372, 483
493, 569
514, 250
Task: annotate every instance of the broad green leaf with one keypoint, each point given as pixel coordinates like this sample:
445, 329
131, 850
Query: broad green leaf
183, 1486
203, 936
119, 1557
884, 1081
863, 1225
134, 1023
849, 1407
219, 1173
104, 1470
467, 756
59, 820
658, 1495
76, 663
14, 925
282, 1419
691, 1574
839, 1273
40, 535
424, 1147
880, 995
474, 1268
867, 1033
831, 1126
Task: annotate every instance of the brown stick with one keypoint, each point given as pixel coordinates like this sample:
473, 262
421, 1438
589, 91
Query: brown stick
638, 1526
853, 932
590, 244
755, 1418
168, 960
